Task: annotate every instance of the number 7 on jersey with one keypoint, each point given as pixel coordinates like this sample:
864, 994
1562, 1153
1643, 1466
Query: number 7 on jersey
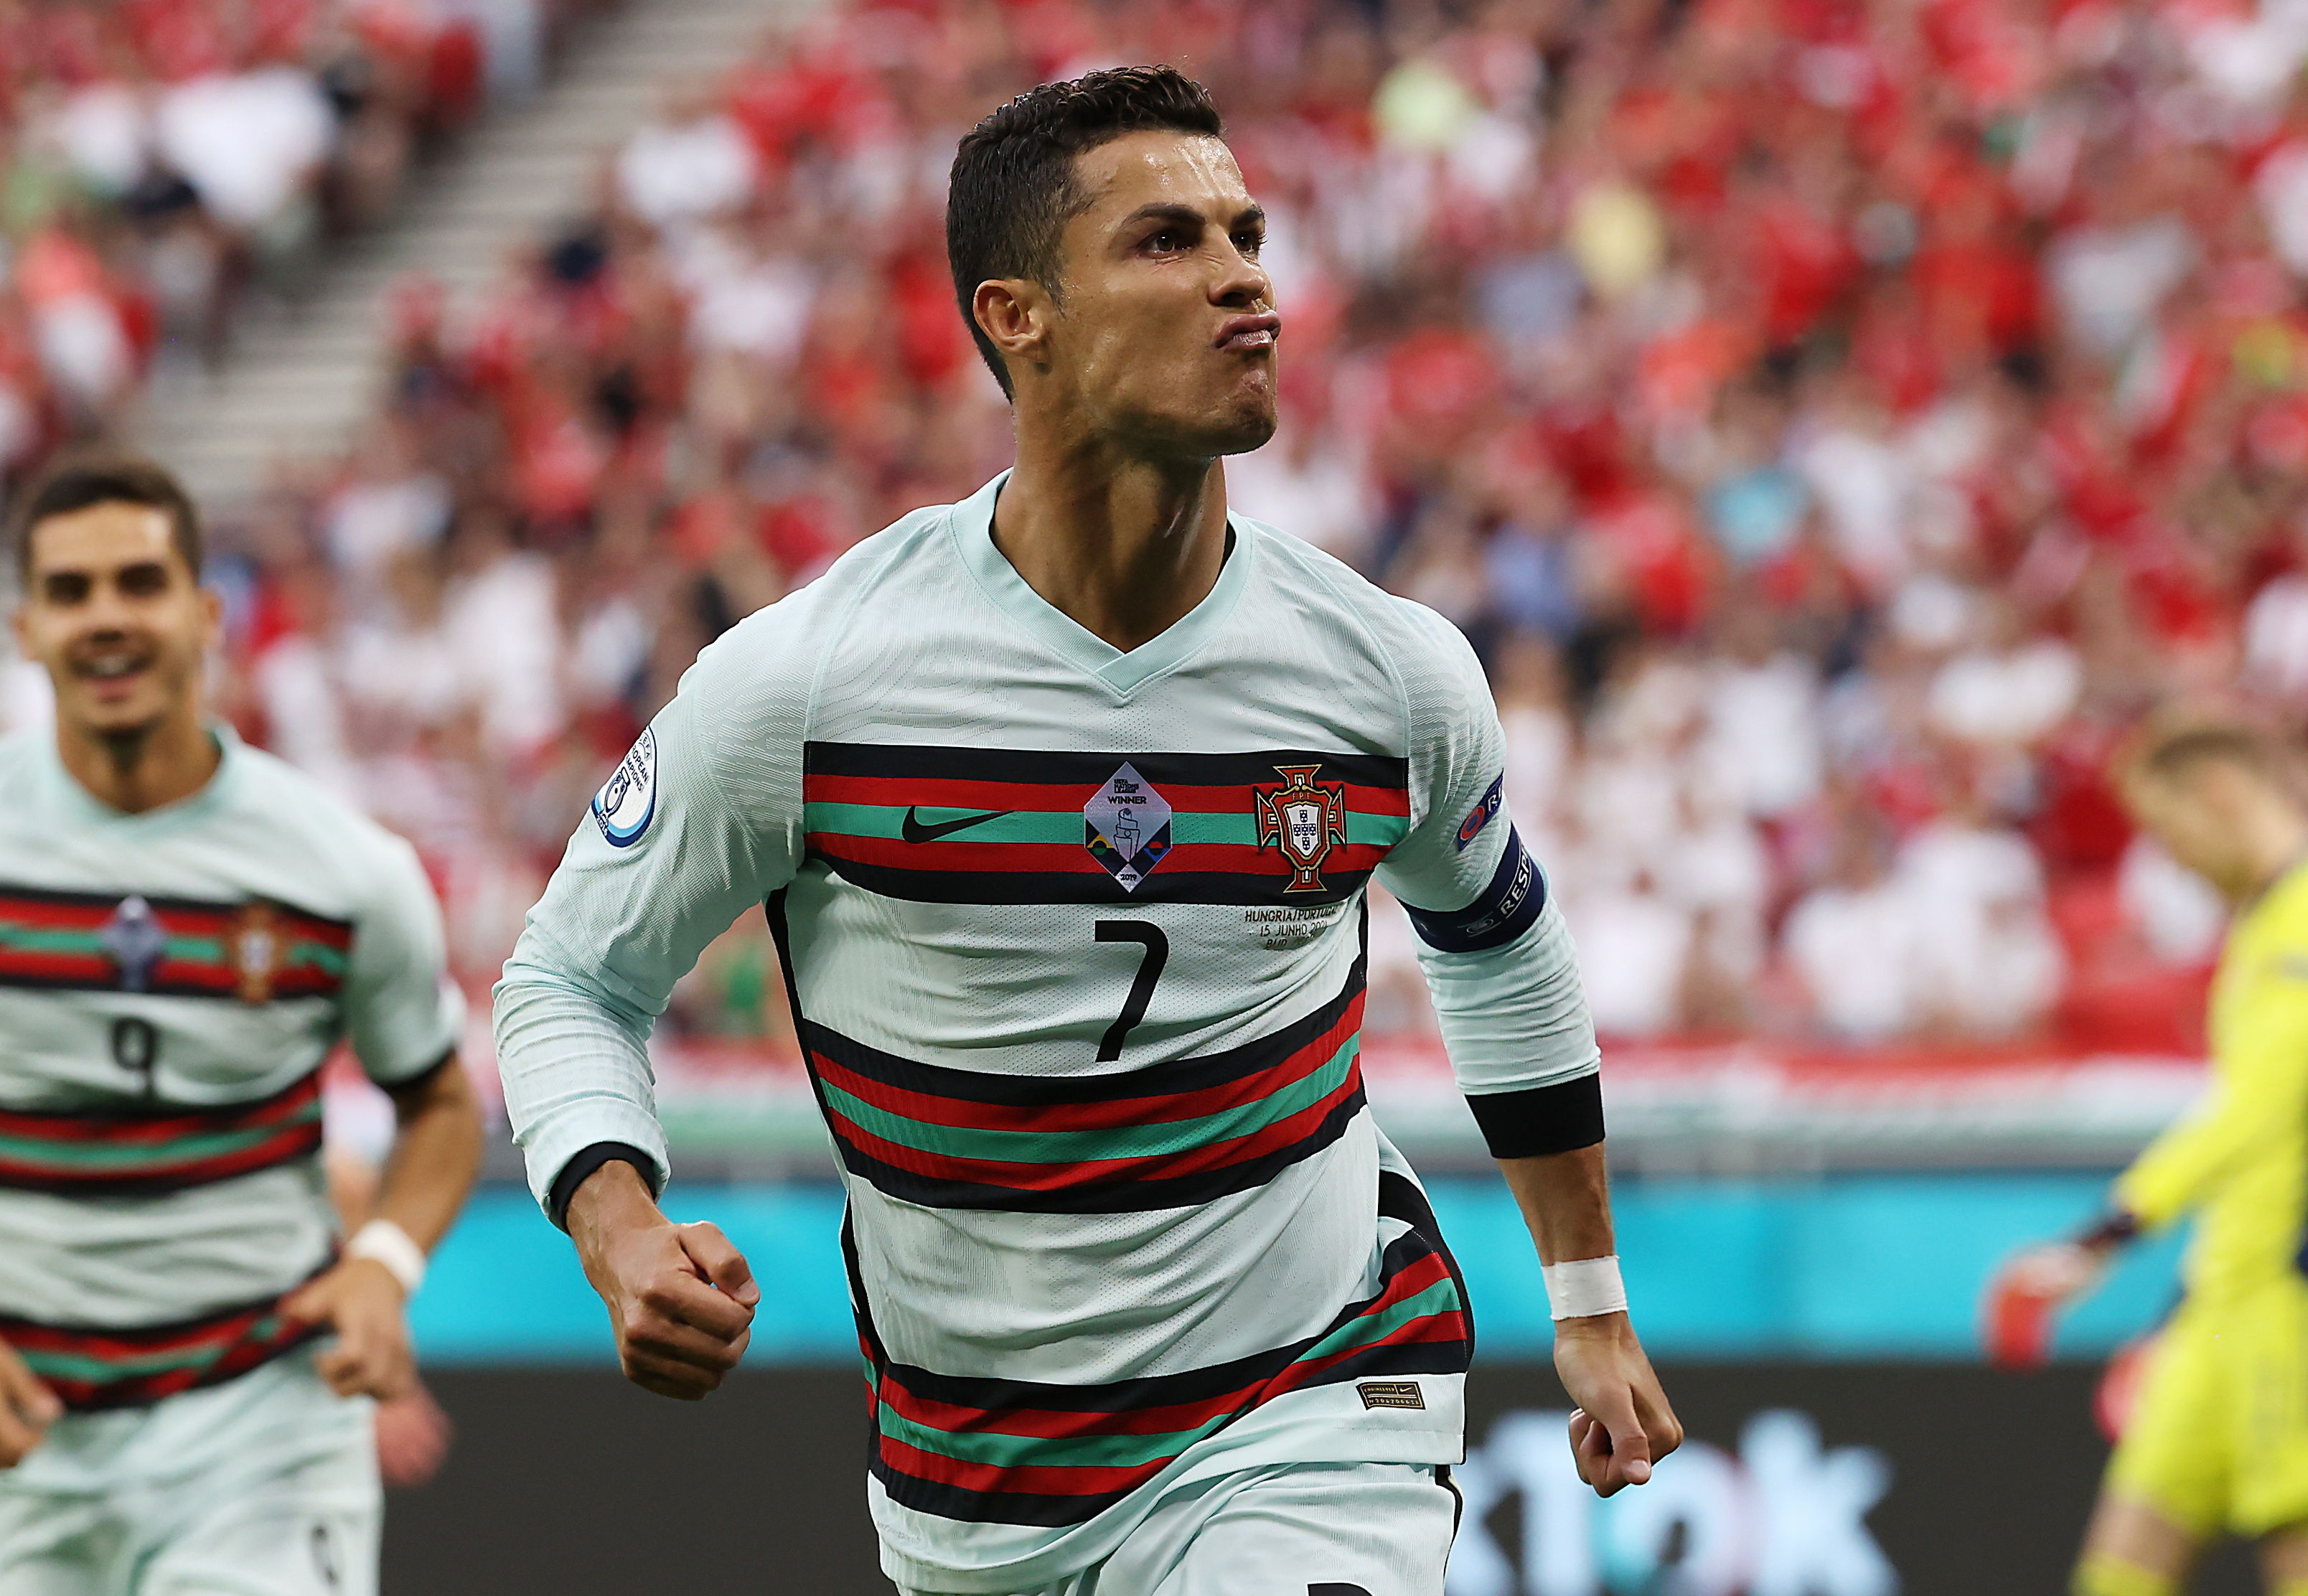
1142, 989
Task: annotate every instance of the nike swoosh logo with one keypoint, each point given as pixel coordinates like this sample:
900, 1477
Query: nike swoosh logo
914, 831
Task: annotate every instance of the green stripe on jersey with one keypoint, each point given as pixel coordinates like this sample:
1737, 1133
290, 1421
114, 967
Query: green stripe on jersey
887, 821
185, 950
1441, 1298
119, 1155
1003, 1451
1066, 1147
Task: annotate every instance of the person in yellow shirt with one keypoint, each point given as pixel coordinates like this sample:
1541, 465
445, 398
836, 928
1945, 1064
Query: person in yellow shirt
2216, 1442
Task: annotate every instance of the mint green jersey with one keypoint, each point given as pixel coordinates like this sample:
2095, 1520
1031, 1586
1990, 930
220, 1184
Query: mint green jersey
169, 985
1076, 944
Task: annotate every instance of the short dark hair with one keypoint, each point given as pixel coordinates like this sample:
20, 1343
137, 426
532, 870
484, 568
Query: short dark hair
1012, 189
102, 477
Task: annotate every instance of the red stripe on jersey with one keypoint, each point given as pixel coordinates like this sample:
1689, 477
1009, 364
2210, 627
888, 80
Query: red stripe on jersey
48, 964
1054, 1424
1041, 1480
1074, 858
1126, 1108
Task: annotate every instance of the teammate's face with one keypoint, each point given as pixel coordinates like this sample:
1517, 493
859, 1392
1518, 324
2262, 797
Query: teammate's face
114, 613
1164, 332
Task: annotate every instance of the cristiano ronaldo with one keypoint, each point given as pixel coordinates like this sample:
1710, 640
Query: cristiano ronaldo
1063, 801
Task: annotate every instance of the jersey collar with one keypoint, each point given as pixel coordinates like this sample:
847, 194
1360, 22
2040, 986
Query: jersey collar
84, 806
972, 524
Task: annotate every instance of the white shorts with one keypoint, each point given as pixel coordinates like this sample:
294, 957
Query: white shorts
264, 1485
1289, 1529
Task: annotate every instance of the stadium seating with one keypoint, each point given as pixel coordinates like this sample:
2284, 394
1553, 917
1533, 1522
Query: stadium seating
1832, 425
165, 160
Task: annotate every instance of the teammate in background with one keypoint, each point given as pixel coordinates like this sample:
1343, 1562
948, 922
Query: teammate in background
2217, 1441
1063, 801
186, 928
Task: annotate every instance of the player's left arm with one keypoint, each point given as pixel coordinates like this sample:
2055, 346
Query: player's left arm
1499, 962
403, 1016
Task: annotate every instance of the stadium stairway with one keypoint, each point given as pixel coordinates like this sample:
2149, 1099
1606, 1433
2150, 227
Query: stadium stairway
298, 381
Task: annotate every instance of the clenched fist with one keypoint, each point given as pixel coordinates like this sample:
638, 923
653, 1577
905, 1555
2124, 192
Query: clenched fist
680, 1296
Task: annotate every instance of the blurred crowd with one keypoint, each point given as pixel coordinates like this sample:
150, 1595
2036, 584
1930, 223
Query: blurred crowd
1833, 422
163, 161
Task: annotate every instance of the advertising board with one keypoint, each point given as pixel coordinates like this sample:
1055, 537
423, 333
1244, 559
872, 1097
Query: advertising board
1799, 1479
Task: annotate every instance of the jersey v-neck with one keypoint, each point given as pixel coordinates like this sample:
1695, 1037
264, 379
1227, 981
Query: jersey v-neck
972, 523
64, 790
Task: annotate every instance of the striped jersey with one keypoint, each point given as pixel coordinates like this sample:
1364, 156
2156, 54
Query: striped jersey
170, 984
1076, 940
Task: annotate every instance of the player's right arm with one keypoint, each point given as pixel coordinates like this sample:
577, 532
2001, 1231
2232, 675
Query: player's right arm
701, 822
27, 1408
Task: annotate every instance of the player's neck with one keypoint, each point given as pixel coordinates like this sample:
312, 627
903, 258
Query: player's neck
152, 765
1124, 548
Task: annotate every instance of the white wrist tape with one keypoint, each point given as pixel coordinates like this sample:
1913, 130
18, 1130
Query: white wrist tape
1585, 1288
388, 1244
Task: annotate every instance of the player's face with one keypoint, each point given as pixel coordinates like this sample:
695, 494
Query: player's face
114, 613
2199, 816
1166, 325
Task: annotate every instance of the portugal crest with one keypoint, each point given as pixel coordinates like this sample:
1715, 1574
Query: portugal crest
1304, 819
257, 948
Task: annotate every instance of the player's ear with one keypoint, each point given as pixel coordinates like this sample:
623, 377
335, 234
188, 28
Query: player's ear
212, 603
1014, 312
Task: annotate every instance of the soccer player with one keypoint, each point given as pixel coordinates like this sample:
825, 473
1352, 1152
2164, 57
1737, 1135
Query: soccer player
186, 928
1064, 801
2217, 1437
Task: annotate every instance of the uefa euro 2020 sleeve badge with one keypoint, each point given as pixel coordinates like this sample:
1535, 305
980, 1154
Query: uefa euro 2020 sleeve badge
1303, 820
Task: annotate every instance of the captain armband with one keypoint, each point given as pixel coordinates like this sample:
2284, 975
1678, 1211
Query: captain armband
1504, 910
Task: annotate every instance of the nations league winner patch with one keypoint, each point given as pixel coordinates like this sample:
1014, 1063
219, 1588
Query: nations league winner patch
627, 801
1126, 827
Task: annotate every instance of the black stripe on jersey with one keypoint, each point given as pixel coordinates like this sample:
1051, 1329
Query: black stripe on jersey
1072, 768
1540, 1120
1507, 908
1036, 1091
159, 904
151, 989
